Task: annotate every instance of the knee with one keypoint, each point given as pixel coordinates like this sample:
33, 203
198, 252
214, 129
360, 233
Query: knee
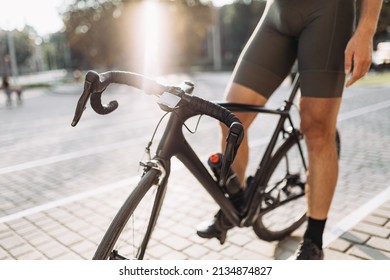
317, 133
318, 121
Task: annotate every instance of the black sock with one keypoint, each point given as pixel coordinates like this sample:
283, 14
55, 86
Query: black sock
315, 230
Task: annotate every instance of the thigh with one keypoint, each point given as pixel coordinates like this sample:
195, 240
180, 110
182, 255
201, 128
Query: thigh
267, 57
237, 93
321, 47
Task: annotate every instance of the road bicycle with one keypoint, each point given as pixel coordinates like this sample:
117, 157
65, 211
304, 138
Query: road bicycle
275, 204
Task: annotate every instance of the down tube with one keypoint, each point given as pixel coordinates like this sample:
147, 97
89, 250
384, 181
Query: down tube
188, 157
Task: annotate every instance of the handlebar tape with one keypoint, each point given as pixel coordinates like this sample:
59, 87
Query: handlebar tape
95, 84
213, 110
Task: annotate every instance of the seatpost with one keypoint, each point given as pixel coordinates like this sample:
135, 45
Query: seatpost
295, 87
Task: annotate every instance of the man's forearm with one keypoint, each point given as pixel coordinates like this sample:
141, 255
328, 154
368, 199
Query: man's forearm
369, 15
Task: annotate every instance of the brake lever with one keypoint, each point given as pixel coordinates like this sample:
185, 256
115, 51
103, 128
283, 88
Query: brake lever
94, 85
233, 141
81, 104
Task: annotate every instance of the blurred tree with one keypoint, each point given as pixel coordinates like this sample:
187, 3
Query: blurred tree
91, 32
24, 46
383, 31
190, 23
237, 24
56, 52
107, 33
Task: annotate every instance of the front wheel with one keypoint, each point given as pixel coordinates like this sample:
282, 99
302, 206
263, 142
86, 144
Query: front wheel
130, 231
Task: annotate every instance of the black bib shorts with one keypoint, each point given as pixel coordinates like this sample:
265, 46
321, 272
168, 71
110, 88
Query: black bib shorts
315, 32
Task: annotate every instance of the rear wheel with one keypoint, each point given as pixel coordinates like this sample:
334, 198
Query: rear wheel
283, 207
283, 204
130, 231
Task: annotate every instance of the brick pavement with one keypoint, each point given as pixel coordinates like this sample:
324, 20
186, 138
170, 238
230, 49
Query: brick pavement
59, 191
369, 239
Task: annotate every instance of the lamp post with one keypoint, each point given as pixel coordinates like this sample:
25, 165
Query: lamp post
216, 40
11, 47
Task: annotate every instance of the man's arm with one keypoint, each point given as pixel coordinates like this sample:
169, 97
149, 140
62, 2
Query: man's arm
358, 53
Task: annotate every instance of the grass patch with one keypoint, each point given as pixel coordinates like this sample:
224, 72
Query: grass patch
37, 85
375, 78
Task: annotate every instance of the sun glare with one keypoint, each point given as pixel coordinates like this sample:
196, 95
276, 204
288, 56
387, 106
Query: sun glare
151, 24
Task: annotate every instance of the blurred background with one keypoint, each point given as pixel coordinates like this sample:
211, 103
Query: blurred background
151, 36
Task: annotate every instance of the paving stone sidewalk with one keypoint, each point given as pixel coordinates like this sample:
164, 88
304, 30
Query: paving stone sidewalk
369, 239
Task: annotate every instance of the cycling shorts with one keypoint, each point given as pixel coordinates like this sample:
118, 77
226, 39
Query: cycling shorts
315, 32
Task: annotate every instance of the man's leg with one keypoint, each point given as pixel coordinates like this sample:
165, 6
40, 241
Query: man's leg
318, 124
9, 100
218, 226
241, 94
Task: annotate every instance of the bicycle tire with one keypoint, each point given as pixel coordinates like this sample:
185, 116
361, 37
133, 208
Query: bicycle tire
118, 235
283, 217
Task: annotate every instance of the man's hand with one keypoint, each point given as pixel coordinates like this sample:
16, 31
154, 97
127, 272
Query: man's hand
358, 56
358, 53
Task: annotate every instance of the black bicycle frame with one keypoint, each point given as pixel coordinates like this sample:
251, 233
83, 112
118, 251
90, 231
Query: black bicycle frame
254, 204
173, 143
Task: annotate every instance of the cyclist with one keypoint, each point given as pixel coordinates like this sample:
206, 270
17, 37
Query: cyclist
7, 89
320, 35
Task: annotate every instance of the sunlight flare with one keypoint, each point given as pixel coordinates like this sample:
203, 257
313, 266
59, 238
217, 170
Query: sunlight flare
151, 30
